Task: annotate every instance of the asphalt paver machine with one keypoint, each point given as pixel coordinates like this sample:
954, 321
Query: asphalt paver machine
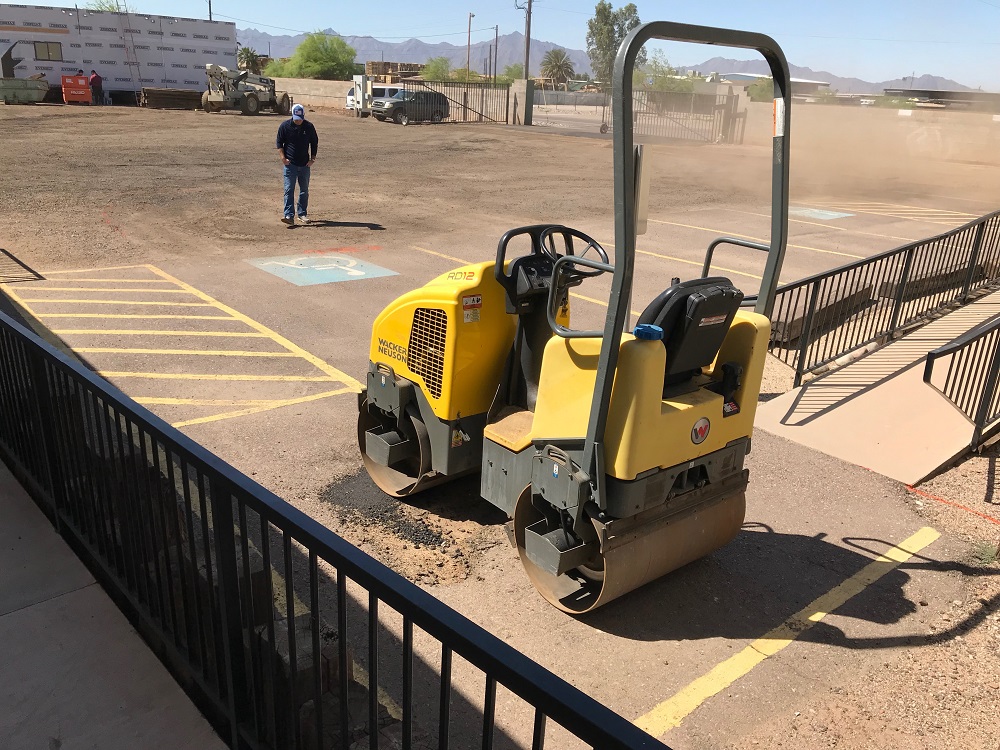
618, 454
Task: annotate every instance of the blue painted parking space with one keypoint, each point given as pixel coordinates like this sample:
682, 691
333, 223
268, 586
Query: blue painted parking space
817, 213
319, 268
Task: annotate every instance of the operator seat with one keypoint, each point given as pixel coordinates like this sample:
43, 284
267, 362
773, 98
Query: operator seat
695, 317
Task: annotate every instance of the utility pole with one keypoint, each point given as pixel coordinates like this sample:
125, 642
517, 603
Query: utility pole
527, 37
209, 10
468, 48
496, 50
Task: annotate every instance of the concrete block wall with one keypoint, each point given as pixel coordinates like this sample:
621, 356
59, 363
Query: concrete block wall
313, 93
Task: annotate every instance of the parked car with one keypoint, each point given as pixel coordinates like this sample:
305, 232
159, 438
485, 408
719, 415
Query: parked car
411, 106
379, 91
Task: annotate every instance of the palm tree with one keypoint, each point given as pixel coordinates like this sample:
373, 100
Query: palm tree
557, 65
248, 59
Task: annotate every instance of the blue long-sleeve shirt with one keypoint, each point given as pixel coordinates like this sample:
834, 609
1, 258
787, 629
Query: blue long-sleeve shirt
297, 140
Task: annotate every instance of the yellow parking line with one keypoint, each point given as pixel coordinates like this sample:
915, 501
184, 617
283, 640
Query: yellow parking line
91, 270
673, 711
121, 316
914, 208
700, 265
756, 239
441, 255
112, 281
183, 352
17, 298
214, 376
119, 302
827, 226
258, 409
103, 289
163, 401
280, 340
136, 332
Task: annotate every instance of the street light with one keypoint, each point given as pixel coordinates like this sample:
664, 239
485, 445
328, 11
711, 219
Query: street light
468, 49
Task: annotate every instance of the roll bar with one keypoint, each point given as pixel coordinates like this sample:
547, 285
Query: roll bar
625, 206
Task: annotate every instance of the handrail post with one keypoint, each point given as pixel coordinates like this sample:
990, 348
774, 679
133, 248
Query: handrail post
43, 399
897, 307
223, 531
804, 337
973, 260
989, 391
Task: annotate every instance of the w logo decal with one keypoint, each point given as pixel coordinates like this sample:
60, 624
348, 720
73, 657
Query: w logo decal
700, 431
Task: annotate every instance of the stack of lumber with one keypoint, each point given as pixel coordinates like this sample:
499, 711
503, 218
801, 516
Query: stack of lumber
171, 98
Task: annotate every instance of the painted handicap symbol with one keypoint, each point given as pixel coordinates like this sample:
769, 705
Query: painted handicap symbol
305, 270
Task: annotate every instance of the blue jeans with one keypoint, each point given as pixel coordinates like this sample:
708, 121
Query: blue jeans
295, 173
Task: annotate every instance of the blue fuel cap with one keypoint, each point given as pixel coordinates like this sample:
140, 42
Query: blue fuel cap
648, 332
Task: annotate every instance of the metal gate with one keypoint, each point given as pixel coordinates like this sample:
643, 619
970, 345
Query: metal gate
467, 102
687, 116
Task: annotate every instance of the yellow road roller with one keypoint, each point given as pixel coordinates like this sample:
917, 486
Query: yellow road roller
618, 454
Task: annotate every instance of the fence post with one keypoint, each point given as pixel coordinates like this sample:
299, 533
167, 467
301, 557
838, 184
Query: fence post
43, 398
973, 260
897, 307
224, 532
804, 337
987, 398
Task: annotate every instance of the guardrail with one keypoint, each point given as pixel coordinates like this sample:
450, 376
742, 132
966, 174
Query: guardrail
825, 316
971, 380
285, 635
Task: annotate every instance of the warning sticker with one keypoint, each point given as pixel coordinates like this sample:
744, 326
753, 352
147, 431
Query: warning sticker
472, 302
713, 320
730, 408
472, 316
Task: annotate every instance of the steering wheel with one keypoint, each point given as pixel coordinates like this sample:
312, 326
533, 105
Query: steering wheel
547, 239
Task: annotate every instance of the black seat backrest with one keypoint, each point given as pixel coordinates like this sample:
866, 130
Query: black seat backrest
695, 317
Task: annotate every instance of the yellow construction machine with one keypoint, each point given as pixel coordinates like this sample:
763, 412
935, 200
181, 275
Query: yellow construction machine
619, 453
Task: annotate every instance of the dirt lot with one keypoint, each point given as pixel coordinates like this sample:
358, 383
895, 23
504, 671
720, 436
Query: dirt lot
194, 196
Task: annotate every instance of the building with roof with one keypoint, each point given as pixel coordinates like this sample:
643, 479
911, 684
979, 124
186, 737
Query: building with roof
129, 50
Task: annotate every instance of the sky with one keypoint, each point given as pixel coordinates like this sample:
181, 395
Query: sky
870, 39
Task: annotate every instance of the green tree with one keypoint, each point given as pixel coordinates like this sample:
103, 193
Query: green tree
659, 75
110, 6
605, 33
248, 59
511, 73
761, 90
460, 74
557, 65
319, 55
437, 69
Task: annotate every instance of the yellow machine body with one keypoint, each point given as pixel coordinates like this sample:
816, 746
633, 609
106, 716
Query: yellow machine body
450, 337
645, 430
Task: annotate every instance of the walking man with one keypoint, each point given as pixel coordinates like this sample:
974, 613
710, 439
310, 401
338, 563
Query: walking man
297, 145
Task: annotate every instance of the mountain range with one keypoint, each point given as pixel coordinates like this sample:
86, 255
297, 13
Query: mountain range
843, 85
510, 51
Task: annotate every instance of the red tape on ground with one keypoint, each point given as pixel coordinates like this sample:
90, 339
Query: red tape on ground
915, 491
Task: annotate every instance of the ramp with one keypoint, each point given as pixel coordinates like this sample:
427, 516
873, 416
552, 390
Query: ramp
877, 412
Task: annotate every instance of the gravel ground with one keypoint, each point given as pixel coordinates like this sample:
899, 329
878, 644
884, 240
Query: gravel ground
197, 194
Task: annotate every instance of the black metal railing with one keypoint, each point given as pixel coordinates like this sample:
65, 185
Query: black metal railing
284, 634
823, 317
462, 102
971, 380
